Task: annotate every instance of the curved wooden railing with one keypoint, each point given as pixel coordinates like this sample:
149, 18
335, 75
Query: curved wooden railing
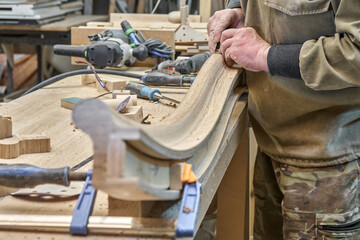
133, 161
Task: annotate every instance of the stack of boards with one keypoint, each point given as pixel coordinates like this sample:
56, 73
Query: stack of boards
36, 11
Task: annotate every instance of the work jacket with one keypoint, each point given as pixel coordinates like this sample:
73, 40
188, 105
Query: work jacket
314, 121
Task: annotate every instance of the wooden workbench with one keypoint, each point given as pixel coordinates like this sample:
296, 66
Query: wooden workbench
41, 112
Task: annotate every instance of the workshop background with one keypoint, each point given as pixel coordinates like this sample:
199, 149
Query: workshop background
29, 29
24, 60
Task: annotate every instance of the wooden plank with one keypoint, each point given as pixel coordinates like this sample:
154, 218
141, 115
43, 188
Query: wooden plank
205, 10
72, 21
59, 26
233, 195
147, 18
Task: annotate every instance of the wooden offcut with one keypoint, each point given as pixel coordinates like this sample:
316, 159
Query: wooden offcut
69, 103
5, 127
25, 144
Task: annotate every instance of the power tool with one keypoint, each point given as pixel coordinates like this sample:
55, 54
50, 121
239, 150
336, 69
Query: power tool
113, 48
106, 51
186, 66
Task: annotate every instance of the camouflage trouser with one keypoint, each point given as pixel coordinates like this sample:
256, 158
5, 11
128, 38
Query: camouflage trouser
306, 203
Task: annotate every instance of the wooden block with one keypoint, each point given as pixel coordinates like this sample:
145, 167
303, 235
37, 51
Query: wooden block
99, 24
176, 172
135, 113
88, 80
111, 84
69, 103
26, 144
114, 103
129, 208
5, 127
115, 93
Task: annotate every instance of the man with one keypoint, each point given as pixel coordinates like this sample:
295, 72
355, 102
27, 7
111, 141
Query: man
303, 62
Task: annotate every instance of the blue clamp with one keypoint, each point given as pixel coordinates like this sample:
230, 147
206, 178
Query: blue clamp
83, 208
189, 209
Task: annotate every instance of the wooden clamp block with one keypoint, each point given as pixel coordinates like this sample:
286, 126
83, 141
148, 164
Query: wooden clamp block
5, 127
26, 144
116, 93
111, 84
176, 172
88, 80
135, 113
119, 207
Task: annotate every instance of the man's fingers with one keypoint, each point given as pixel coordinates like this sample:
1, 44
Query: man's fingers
228, 34
228, 59
225, 45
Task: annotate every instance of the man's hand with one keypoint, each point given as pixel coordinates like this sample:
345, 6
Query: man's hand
221, 20
245, 47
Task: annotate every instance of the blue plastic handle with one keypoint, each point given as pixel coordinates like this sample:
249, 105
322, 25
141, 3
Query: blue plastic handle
83, 208
149, 93
189, 209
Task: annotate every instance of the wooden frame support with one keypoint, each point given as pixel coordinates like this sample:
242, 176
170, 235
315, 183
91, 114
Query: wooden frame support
233, 196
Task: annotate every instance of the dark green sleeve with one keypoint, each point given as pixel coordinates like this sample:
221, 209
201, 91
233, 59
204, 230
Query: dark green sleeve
283, 60
234, 4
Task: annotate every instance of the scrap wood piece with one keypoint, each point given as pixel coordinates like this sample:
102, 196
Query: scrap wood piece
5, 127
69, 103
135, 113
111, 83
24, 144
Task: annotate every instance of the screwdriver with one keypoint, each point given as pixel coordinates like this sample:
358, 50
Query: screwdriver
162, 79
25, 176
143, 91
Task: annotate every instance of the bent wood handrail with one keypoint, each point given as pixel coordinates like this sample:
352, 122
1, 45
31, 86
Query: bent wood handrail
147, 152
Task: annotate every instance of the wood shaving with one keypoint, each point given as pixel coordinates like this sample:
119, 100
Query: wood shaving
125, 110
144, 121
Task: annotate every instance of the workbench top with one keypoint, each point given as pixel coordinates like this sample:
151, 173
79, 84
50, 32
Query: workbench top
40, 112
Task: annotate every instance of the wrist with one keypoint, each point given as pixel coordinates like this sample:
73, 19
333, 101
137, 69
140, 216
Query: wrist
263, 56
240, 17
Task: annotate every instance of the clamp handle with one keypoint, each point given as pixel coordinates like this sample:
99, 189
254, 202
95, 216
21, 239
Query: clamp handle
83, 208
189, 209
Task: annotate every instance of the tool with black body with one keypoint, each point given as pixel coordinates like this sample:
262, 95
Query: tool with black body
143, 91
104, 53
25, 176
186, 66
113, 48
162, 79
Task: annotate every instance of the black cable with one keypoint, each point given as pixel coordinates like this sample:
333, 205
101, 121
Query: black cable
80, 72
159, 46
155, 45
